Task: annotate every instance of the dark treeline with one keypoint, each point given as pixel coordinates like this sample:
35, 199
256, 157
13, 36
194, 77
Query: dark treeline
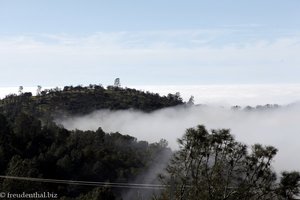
83, 100
32, 145
29, 149
208, 165
257, 108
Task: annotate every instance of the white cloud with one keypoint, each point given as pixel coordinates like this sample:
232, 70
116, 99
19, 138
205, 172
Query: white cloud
162, 53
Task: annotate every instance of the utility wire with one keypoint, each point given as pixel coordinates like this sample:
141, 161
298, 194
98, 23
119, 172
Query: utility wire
89, 183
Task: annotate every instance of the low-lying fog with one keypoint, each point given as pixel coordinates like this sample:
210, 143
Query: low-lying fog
278, 127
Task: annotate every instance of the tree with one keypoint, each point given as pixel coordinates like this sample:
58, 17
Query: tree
178, 96
5, 138
117, 82
213, 166
21, 168
27, 135
38, 91
191, 101
290, 184
98, 194
21, 89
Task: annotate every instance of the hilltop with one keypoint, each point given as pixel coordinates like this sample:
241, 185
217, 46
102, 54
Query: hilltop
32, 145
82, 100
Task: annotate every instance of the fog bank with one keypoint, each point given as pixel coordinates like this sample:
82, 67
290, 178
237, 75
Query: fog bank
278, 127
234, 94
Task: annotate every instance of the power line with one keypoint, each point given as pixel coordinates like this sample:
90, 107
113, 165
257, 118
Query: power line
89, 183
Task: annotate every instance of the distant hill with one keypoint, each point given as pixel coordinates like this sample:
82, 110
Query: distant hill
83, 100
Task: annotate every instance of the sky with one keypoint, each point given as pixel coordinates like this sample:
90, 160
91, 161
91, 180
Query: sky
230, 51
155, 42
193, 42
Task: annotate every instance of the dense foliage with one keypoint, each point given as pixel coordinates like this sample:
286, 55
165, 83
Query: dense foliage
28, 149
83, 100
214, 166
208, 166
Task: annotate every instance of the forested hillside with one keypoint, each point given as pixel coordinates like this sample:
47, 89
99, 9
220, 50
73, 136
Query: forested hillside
29, 149
32, 145
83, 100
209, 165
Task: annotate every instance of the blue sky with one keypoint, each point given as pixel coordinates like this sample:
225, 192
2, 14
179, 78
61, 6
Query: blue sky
63, 42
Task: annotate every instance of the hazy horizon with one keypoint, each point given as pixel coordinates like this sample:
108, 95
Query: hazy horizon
223, 95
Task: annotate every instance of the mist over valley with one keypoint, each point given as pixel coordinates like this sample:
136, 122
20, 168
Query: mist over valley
271, 126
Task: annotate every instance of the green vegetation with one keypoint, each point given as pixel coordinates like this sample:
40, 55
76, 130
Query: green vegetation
33, 146
213, 166
208, 165
83, 100
29, 149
